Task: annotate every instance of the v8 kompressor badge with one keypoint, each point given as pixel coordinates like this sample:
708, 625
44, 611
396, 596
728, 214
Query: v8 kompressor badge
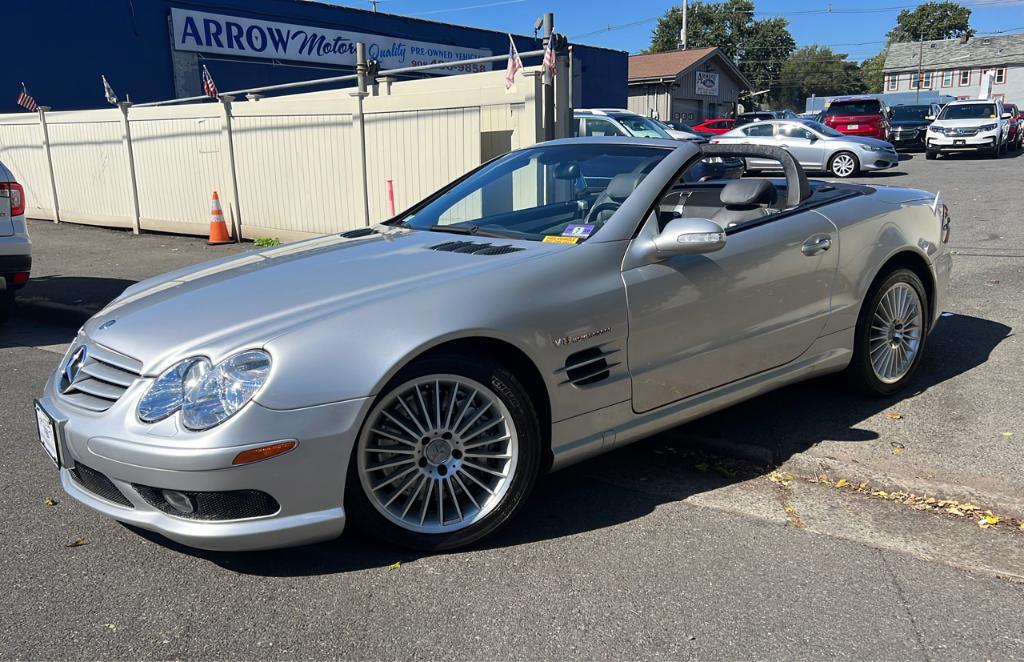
568, 340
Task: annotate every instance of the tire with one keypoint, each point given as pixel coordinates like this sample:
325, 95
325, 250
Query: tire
6, 305
868, 368
931, 154
843, 164
427, 422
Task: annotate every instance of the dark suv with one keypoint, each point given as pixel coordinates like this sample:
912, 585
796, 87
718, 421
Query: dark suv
909, 124
858, 116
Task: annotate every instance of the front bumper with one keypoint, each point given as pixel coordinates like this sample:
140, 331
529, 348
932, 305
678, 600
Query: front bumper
877, 160
956, 143
307, 483
912, 138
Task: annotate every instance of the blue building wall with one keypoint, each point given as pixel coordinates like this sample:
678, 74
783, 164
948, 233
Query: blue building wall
63, 46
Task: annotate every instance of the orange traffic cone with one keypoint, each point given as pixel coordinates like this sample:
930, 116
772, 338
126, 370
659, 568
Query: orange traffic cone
218, 228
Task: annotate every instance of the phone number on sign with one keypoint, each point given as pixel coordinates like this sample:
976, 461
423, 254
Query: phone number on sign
466, 68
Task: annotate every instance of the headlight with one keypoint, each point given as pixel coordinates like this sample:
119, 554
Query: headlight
988, 127
935, 129
206, 395
212, 395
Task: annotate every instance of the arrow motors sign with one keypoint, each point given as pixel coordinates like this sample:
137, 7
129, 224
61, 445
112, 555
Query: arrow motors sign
203, 32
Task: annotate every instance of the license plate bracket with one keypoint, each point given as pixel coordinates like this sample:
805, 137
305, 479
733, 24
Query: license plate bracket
48, 434
959, 141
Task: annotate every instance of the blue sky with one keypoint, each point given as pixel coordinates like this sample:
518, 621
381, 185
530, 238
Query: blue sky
857, 28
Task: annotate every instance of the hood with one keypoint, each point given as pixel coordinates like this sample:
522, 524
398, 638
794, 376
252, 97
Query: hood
968, 123
909, 123
244, 301
861, 140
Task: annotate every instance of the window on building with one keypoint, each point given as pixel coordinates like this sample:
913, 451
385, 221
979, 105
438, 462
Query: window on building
965, 77
1000, 76
892, 82
926, 80
947, 79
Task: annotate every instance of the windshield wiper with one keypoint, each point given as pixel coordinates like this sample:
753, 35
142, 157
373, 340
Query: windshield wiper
474, 230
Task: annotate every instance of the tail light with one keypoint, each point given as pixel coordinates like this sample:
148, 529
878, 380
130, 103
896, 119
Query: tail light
16, 193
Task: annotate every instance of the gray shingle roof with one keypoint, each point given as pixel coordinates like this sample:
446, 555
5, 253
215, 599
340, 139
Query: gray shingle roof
995, 50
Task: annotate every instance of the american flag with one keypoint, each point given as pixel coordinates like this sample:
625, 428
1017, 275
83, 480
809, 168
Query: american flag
209, 87
515, 63
108, 91
26, 101
549, 55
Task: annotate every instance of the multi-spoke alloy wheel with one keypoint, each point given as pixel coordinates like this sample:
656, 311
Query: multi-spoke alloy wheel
891, 333
843, 164
896, 332
438, 453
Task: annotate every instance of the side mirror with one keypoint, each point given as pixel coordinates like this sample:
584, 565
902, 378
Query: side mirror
813, 138
930, 118
1007, 116
689, 236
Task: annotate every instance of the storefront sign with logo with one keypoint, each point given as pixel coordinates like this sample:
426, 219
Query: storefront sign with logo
707, 83
203, 32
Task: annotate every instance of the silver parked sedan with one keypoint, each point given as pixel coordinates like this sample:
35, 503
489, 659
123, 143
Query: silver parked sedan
416, 377
815, 146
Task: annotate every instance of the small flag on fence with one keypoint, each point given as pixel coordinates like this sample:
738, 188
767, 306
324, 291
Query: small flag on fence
549, 56
108, 91
515, 63
26, 101
209, 87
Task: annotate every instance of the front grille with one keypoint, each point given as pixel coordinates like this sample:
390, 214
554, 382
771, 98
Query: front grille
99, 485
235, 504
98, 377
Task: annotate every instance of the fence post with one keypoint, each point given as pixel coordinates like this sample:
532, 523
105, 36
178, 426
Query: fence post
236, 215
360, 117
49, 162
124, 106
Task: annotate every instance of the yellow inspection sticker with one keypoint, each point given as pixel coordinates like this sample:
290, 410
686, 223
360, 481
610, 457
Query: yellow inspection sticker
551, 239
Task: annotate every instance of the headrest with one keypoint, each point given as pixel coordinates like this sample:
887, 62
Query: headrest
748, 192
567, 170
622, 186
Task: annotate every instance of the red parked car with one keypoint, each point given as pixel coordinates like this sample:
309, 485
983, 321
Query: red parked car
858, 116
1015, 133
716, 126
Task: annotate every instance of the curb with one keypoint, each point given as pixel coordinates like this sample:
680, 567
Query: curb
53, 311
810, 467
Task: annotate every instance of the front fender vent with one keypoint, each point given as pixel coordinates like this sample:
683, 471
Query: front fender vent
476, 248
588, 366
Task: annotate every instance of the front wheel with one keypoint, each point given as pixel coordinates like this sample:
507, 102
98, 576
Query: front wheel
931, 154
891, 333
448, 454
843, 164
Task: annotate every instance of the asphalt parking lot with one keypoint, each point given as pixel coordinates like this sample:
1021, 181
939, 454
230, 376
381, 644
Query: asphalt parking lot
649, 552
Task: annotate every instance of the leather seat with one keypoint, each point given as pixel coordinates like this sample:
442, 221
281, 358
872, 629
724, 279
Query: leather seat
619, 188
745, 200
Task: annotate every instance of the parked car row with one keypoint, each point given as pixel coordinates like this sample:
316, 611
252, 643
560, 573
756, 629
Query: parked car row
15, 246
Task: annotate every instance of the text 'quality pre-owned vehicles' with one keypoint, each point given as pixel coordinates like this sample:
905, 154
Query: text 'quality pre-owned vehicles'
417, 376
814, 146
866, 117
15, 246
980, 125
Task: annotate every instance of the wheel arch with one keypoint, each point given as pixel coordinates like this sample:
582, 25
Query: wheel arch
915, 262
843, 150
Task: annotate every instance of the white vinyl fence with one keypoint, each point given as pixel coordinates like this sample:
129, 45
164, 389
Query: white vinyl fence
285, 167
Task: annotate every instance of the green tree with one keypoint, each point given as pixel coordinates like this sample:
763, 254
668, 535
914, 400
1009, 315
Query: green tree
871, 72
758, 47
816, 70
932, 20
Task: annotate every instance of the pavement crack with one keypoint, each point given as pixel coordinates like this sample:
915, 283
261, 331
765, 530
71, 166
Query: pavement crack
904, 602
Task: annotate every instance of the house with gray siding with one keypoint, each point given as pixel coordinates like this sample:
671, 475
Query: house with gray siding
955, 66
684, 86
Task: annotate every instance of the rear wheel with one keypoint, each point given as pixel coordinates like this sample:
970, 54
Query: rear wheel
843, 164
891, 333
448, 454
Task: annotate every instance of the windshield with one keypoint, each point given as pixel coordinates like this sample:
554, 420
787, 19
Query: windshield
969, 111
822, 129
910, 113
642, 127
560, 193
847, 108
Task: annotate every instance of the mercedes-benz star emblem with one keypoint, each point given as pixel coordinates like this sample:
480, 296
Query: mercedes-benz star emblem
74, 366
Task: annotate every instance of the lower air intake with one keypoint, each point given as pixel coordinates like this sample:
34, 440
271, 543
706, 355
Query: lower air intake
236, 504
99, 485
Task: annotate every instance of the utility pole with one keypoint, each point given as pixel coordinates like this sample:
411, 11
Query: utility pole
920, 57
548, 99
682, 31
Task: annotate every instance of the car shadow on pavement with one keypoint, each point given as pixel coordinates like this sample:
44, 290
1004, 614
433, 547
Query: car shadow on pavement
630, 483
83, 292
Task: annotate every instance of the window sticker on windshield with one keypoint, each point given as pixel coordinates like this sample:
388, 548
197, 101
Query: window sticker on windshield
560, 240
574, 230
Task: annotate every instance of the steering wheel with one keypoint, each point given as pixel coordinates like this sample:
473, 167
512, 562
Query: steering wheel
592, 217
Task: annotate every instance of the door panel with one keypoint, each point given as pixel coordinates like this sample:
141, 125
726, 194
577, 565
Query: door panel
700, 321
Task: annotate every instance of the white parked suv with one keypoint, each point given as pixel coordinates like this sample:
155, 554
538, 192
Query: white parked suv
15, 246
969, 125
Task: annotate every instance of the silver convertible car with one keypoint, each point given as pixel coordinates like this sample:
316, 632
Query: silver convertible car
815, 146
416, 377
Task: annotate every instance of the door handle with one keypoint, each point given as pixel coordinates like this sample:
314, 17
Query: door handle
816, 245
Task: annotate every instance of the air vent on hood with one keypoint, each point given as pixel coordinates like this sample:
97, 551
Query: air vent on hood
358, 232
588, 366
474, 247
